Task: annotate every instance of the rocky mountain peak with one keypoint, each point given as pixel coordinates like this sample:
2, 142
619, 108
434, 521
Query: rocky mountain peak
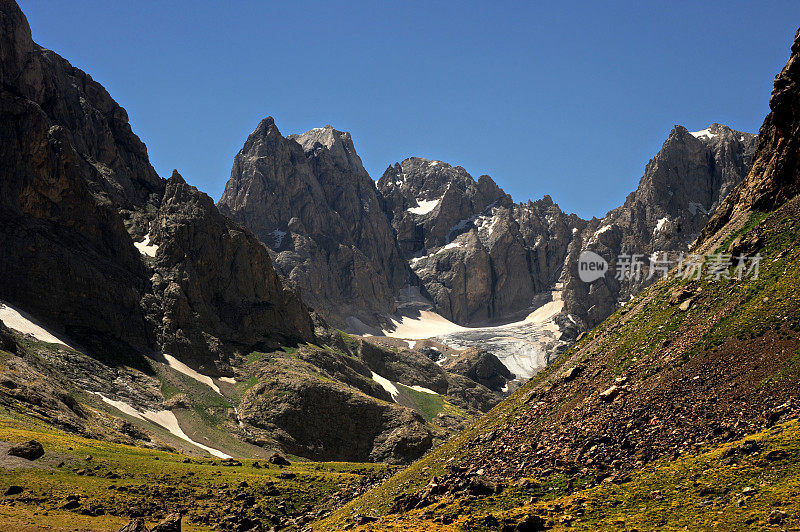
175, 178
681, 187
309, 199
338, 143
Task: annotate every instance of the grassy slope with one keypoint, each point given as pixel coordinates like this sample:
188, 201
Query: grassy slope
118, 478
652, 336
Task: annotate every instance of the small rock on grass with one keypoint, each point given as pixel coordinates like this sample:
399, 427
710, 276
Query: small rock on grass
776, 517
30, 450
13, 490
278, 459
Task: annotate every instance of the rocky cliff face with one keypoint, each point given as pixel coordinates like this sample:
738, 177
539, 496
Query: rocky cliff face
427, 200
478, 255
75, 176
69, 160
681, 187
310, 200
217, 289
128, 266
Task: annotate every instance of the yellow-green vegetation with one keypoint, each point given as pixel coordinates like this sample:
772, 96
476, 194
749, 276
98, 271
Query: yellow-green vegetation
111, 479
349, 341
431, 405
736, 486
205, 402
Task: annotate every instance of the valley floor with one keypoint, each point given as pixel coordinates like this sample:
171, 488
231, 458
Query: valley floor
82, 484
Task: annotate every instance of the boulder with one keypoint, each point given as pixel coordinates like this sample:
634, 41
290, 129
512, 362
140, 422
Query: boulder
30, 450
278, 459
172, 523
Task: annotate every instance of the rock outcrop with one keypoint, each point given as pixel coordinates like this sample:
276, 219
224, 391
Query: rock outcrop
310, 200
482, 367
773, 178
323, 419
215, 286
478, 255
681, 187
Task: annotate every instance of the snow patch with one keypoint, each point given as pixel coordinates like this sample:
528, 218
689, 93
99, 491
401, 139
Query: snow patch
486, 223
451, 245
162, 418
26, 324
387, 385
229, 380
602, 230
424, 206
277, 238
424, 324
179, 366
433, 163
660, 224
423, 389
703, 133
145, 247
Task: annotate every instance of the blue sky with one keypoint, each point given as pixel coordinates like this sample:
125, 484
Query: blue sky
570, 99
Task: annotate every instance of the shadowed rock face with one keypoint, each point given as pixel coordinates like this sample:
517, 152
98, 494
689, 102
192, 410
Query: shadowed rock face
310, 200
69, 160
91, 122
327, 421
74, 176
216, 284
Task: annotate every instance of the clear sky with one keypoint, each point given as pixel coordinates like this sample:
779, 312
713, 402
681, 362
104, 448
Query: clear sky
570, 99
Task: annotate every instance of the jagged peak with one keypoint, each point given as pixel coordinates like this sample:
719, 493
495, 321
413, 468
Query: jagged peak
327, 135
716, 130
176, 177
712, 131
423, 161
338, 143
265, 127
